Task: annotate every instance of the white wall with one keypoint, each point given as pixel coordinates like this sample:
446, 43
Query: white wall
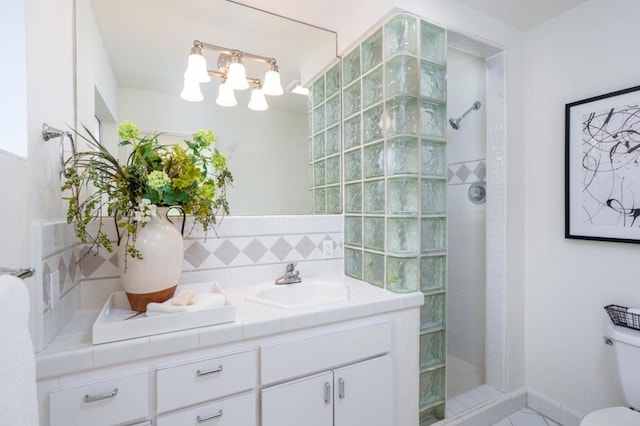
466, 236
267, 150
588, 51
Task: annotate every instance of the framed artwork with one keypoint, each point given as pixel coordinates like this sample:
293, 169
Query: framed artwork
602, 166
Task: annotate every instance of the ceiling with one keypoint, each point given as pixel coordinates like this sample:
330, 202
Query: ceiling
522, 14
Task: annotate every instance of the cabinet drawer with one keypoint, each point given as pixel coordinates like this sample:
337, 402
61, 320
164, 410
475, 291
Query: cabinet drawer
235, 411
300, 357
196, 382
109, 402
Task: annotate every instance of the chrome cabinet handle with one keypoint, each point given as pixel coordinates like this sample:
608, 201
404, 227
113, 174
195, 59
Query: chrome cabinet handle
204, 373
211, 417
341, 388
327, 393
94, 398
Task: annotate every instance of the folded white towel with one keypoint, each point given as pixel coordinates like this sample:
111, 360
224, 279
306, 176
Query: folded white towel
18, 396
633, 311
205, 300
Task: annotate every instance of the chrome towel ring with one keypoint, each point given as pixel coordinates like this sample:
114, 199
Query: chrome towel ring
49, 132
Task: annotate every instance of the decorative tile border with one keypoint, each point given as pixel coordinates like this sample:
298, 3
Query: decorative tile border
239, 241
467, 172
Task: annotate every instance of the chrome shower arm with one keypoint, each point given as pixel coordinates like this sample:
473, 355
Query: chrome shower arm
476, 106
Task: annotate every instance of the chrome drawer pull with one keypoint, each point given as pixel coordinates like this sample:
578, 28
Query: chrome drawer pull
211, 417
341, 388
204, 373
94, 398
327, 393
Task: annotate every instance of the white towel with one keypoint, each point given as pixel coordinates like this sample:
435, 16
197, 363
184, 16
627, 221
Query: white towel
18, 395
205, 300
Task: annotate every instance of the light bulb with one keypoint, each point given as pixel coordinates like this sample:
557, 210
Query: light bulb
226, 96
258, 102
236, 77
197, 67
191, 91
272, 86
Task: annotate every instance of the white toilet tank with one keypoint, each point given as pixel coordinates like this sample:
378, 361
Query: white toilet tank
626, 345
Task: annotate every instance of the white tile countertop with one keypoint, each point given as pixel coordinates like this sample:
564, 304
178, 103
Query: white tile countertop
72, 351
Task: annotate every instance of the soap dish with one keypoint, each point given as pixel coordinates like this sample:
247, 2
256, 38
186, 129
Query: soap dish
117, 321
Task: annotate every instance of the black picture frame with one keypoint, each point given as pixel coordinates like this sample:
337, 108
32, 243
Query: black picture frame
602, 167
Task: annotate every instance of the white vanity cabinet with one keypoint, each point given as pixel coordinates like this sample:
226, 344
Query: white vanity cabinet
347, 372
358, 394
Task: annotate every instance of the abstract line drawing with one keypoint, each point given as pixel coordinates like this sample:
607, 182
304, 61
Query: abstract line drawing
611, 167
602, 167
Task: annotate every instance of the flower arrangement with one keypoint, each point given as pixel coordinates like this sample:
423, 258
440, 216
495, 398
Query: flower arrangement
193, 177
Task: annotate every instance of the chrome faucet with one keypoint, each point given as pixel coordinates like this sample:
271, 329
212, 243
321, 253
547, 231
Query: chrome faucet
291, 276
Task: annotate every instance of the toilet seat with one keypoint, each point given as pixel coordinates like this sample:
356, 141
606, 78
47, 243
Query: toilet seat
618, 416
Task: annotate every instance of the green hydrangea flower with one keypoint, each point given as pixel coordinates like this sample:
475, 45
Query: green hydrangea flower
219, 160
127, 130
204, 137
157, 179
207, 190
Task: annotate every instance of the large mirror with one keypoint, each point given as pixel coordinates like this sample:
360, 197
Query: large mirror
131, 57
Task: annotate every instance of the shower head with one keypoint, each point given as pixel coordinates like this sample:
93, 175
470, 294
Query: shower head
455, 122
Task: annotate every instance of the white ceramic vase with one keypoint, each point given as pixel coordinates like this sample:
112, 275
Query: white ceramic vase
154, 277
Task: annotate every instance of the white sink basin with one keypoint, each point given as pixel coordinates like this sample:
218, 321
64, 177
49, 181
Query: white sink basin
309, 292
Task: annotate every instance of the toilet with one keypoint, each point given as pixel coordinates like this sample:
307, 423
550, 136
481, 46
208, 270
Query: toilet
626, 347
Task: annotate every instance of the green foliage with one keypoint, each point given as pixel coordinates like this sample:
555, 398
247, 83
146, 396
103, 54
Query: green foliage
195, 179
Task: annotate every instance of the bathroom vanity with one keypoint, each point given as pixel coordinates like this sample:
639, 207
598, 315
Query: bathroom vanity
351, 362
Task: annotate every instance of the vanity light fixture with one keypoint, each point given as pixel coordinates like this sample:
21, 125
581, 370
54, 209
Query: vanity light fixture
233, 74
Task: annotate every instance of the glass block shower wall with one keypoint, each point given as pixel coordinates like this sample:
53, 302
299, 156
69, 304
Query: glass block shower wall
325, 162
393, 112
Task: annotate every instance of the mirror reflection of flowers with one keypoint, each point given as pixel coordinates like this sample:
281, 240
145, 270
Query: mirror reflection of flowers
193, 177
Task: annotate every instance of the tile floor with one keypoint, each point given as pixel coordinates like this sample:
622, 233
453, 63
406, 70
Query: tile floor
473, 398
526, 417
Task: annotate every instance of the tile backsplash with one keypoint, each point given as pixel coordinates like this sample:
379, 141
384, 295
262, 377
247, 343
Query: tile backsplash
68, 278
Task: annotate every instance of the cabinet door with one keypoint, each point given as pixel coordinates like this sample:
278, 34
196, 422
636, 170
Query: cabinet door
307, 402
363, 393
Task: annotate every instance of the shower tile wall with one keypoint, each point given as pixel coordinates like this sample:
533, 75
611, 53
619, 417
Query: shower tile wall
466, 289
324, 142
394, 92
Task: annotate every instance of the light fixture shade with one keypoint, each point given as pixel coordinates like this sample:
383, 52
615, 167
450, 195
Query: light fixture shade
197, 69
299, 89
258, 102
237, 77
226, 96
272, 86
191, 91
